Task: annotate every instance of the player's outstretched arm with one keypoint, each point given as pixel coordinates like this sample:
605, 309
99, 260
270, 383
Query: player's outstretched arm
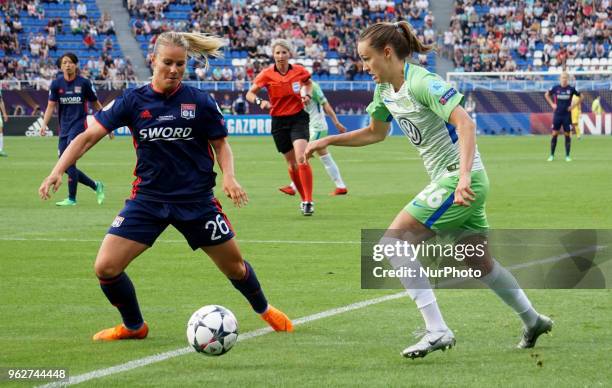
373, 133
466, 131
332, 114
75, 150
231, 187
251, 97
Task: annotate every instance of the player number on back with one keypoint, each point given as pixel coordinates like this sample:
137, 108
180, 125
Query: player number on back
432, 196
218, 225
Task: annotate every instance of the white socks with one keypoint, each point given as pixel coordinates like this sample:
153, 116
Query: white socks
503, 283
332, 170
1, 141
418, 288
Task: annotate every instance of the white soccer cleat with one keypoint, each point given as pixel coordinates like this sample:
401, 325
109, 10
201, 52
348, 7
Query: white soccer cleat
530, 336
430, 342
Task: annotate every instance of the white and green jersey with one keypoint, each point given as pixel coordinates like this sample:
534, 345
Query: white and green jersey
422, 108
315, 109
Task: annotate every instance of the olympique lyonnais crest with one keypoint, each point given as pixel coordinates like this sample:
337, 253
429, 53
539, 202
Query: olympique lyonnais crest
188, 111
77, 89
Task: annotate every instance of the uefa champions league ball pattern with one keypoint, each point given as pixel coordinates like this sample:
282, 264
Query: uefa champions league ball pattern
212, 330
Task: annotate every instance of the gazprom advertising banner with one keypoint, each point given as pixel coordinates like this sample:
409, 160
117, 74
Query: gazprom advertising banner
261, 125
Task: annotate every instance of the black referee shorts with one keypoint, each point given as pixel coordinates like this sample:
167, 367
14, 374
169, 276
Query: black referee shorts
287, 129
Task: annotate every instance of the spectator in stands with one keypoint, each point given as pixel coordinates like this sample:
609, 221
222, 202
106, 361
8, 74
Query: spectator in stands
90, 41
75, 26
226, 104
240, 106
217, 74
81, 10
227, 74
51, 42
108, 25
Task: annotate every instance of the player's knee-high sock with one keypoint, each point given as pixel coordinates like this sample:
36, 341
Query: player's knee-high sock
73, 181
250, 288
553, 144
120, 291
418, 287
332, 170
87, 181
503, 283
295, 178
568, 144
1, 141
305, 172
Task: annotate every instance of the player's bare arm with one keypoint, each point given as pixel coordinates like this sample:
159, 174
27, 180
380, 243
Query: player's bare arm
252, 97
75, 150
47, 116
330, 112
466, 130
373, 133
231, 187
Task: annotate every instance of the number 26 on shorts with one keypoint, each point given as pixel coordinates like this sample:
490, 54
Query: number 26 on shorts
218, 227
433, 195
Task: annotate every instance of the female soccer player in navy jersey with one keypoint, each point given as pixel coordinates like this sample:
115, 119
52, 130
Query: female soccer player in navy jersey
175, 129
71, 93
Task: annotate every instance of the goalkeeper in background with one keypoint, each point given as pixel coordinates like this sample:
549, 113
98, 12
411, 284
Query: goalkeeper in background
576, 112
596, 106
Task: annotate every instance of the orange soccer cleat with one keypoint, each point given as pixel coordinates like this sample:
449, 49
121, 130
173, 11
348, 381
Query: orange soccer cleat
121, 332
339, 191
277, 319
287, 190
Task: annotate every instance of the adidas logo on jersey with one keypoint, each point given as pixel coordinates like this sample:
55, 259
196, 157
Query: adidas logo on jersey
165, 133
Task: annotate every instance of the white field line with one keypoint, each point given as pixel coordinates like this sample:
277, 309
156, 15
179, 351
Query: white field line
48, 239
134, 364
96, 374
248, 241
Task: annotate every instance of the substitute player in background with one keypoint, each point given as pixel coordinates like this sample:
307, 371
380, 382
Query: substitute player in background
596, 107
576, 112
174, 181
290, 88
560, 99
71, 93
316, 108
3, 119
429, 112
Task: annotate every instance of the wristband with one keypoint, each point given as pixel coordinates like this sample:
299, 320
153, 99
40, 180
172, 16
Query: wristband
257, 100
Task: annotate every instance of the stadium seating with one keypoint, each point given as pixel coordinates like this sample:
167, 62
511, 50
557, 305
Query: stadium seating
217, 19
37, 27
569, 35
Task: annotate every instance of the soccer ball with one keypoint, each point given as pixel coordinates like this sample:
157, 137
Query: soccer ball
212, 330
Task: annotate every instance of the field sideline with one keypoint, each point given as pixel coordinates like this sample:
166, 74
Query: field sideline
51, 303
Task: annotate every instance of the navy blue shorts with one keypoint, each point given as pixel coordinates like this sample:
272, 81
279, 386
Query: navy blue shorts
202, 223
564, 121
65, 141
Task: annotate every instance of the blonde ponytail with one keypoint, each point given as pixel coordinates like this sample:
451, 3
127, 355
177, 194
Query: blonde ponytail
199, 46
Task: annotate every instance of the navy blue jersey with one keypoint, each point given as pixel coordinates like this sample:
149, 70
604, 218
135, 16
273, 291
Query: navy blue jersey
171, 136
72, 98
562, 96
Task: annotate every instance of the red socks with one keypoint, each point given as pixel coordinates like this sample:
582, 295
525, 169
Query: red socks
305, 173
295, 178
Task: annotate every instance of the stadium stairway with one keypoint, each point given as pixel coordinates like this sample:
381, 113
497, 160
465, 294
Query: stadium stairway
126, 40
440, 10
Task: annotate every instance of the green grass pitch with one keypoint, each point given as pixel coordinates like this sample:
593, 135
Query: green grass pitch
51, 304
